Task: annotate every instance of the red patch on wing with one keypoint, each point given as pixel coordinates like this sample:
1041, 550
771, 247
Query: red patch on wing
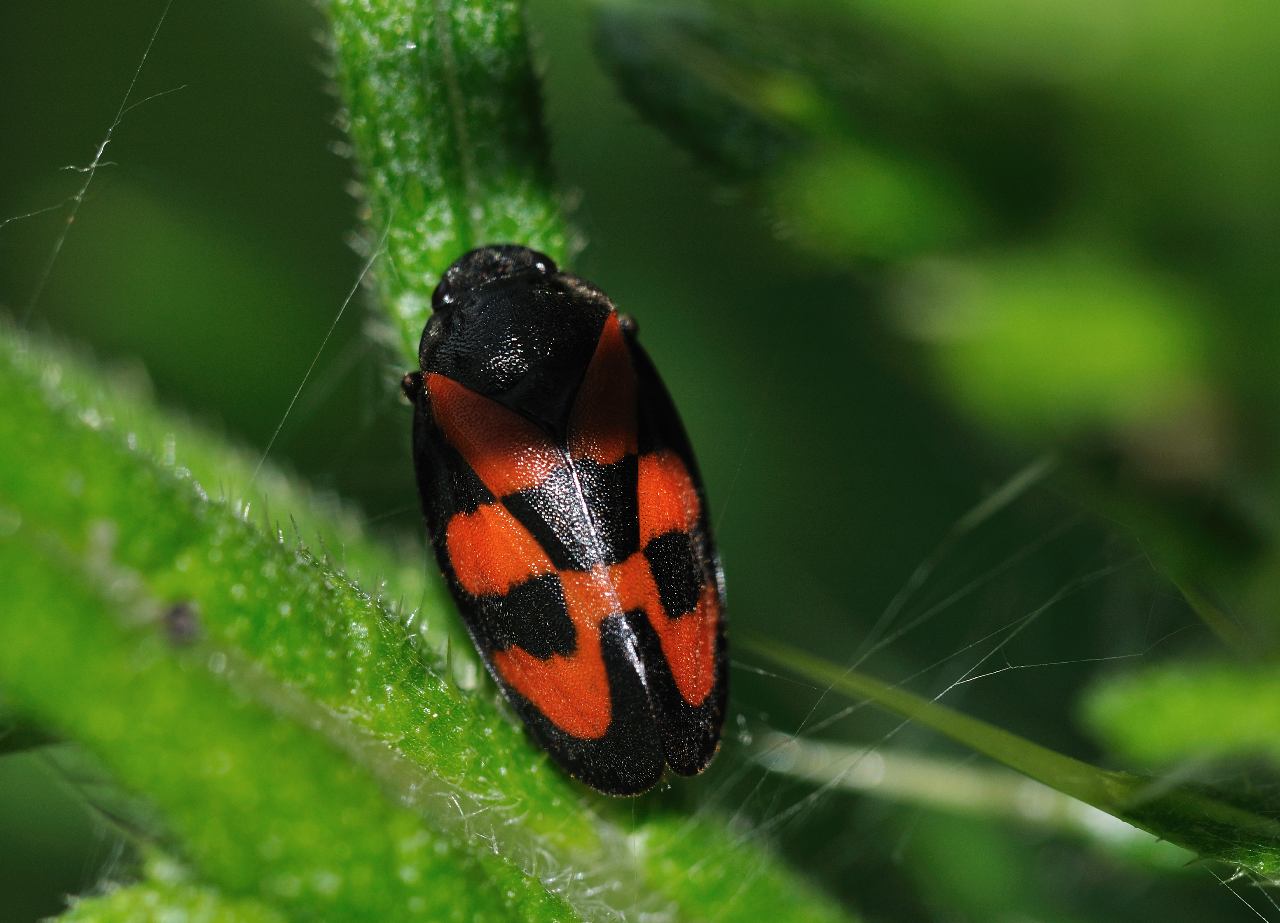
604, 591
669, 502
491, 551
507, 451
572, 692
602, 425
667, 498
689, 644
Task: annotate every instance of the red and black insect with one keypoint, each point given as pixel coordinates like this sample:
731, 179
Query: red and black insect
567, 514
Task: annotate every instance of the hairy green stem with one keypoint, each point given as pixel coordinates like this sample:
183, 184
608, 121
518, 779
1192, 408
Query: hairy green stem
266, 808
444, 118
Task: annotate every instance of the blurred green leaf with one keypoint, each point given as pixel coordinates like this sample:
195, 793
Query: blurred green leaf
969, 860
1138, 98
716, 874
1188, 711
1051, 346
17, 735
1068, 199
713, 89
843, 201
731, 86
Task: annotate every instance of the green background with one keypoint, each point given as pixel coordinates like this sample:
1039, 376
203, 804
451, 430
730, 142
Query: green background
211, 255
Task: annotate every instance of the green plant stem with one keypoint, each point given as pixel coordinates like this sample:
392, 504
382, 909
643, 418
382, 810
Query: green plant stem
98, 484
107, 496
444, 117
1238, 829
1070, 776
266, 808
953, 785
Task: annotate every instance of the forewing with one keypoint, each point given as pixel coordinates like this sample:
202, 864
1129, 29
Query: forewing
569, 666
681, 633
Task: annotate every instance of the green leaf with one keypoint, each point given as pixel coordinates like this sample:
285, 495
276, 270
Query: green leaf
1240, 827
1058, 345
17, 735
754, 93
265, 807
1189, 711
716, 92
712, 874
846, 200
154, 902
107, 490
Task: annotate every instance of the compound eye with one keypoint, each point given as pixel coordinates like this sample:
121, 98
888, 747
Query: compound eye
443, 296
